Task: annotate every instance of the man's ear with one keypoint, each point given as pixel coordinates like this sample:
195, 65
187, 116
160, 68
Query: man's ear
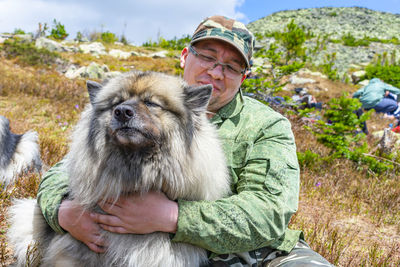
197, 97
93, 88
184, 55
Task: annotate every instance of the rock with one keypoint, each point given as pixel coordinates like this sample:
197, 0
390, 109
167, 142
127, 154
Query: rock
356, 76
54, 46
94, 48
119, 54
313, 73
93, 71
298, 80
119, 43
112, 74
48, 44
28, 38
364, 83
160, 54
73, 72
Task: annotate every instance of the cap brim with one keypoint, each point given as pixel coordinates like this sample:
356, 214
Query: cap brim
226, 41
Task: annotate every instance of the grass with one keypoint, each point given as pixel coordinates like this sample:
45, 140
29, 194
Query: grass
348, 215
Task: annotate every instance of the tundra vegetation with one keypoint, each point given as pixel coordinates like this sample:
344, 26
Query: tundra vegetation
349, 205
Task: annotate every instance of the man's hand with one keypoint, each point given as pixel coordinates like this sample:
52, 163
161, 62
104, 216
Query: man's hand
139, 214
80, 225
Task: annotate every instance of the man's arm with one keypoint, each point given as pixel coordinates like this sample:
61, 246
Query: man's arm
52, 190
64, 215
258, 216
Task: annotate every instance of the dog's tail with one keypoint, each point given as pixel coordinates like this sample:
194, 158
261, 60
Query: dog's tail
27, 153
26, 222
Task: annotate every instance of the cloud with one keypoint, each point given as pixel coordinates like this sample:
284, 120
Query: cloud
138, 20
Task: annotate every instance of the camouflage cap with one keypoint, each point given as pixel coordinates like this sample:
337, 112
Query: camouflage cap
228, 30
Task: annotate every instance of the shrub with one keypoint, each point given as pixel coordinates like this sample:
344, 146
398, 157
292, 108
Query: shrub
28, 54
292, 39
18, 31
328, 67
173, 44
385, 69
58, 31
108, 37
340, 131
349, 40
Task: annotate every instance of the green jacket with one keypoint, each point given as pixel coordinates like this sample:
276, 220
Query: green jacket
261, 154
374, 92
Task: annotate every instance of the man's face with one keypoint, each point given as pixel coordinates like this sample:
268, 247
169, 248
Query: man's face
224, 88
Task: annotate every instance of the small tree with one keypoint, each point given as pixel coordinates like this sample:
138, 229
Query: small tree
293, 39
58, 31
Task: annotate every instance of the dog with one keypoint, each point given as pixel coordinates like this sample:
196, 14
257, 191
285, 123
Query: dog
141, 131
19, 153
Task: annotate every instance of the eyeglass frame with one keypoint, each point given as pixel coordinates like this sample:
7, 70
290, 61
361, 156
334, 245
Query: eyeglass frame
216, 62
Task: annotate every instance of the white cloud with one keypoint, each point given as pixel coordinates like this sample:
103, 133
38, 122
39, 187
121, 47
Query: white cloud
139, 20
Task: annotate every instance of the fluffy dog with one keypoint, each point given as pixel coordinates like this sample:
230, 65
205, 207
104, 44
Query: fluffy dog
142, 131
18, 153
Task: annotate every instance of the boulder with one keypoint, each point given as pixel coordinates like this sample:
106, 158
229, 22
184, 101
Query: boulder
48, 44
364, 83
73, 72
298, 80
28, 38
119, 54
93, 71
160, 54
94, 48
356, 76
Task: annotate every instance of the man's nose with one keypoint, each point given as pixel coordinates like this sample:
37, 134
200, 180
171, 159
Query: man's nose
217, 71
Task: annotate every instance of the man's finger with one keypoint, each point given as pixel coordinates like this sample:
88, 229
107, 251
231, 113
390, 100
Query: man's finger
110, 220
114, 229
110, 207
99, 241
96, 248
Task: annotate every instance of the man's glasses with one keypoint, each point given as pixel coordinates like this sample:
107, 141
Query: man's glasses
209, 62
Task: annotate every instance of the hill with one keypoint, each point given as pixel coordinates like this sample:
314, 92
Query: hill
334, 21
356, 35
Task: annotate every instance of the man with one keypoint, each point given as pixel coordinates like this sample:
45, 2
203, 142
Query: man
246, 229
379, 96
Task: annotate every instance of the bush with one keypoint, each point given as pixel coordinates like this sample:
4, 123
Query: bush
173, 44
350, 40
341, 133
19, 31
108, 37
58, 31
28, 54
292, 39
385, 69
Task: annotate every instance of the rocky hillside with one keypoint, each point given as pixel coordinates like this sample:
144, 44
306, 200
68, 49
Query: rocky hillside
337, 22
334, 20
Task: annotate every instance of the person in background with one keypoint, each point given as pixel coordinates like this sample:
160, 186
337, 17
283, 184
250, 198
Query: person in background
381, 97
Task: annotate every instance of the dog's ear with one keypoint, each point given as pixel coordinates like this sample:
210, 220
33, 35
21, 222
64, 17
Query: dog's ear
197, 97
93, 88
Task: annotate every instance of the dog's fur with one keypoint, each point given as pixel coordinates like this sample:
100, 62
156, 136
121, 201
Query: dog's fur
142, 131
18, 153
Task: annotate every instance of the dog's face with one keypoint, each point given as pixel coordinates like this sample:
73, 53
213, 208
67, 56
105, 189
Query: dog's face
141, 110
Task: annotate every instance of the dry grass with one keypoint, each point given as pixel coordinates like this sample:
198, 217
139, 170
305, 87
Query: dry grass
348, 215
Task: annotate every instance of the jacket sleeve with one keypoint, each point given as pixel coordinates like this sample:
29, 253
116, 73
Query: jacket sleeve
359, 93
258, 215
52, 190
393, 89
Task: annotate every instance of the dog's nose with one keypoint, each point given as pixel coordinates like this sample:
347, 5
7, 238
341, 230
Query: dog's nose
123, 113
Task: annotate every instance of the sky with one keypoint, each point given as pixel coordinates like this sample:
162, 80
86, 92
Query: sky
143, 20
